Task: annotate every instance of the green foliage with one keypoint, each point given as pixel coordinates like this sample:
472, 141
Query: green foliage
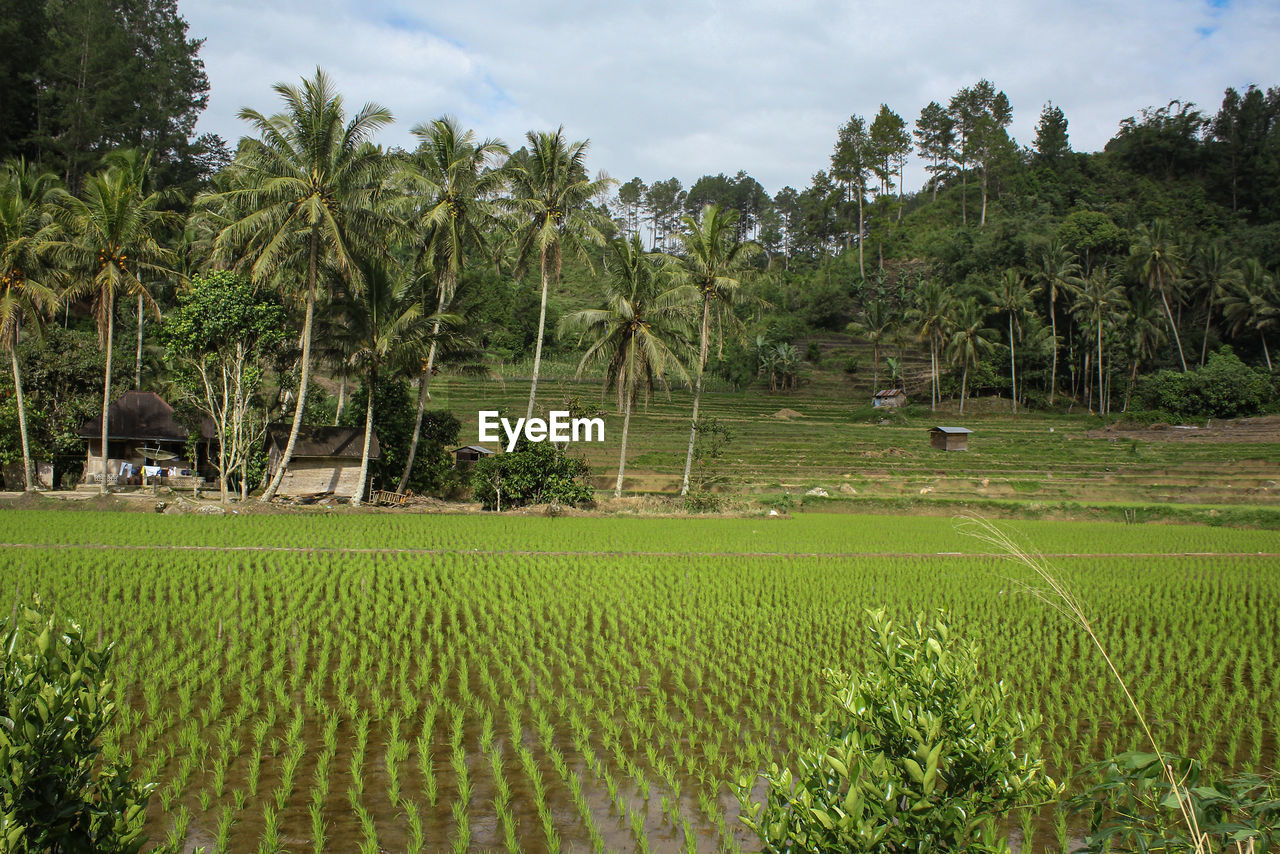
56, 792
1132, 807
1224, 388
534, 473
713, 436
921, 755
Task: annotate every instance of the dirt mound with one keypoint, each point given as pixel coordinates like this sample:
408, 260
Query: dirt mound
787, 414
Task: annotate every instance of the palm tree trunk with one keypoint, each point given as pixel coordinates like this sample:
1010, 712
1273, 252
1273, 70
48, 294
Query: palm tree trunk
1013, 368
1102, 400
423, 396
137, 365
861, 270
368, 436
933, 375
542, 324
305, 377
697, 395
1204, 345
964, 387
28, 478
342, 397
244, 478
1053, 371
103, 488
1266, 354
1173, 327
622, 455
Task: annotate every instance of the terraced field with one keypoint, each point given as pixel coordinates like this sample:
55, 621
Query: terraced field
795, 441
408, 682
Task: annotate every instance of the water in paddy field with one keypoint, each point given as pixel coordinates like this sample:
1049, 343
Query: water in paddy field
612, 672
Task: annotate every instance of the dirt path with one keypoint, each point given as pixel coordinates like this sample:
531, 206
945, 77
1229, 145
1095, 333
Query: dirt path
539, 553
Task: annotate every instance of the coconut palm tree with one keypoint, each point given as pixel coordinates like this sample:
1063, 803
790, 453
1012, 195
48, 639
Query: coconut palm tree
638, 333
1013, 299
877, 324
109, 248
1212, 270
1144, 329
930, 314
302, 195
1057, 266
969, 339
715, 260
450, 183
27, 289
388, 332
550, 196
1098, 295
1252, 304
1159, 262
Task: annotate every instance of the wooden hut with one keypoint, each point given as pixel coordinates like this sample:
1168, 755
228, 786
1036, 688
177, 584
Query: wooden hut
325, 459
468, 455
143, 435
950, 438
889, 398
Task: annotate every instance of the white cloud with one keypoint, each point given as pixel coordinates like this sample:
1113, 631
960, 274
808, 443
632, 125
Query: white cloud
685, 88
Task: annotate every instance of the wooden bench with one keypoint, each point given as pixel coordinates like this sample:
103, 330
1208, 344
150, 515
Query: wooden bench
384, 497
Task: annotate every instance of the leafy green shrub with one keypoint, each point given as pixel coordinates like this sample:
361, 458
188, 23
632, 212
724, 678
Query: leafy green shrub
1224, 388
1132, 807
700, 501
534, 473
54, 793
921, 755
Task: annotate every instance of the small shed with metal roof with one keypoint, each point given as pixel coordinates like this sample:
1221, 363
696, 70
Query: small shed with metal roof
950, 438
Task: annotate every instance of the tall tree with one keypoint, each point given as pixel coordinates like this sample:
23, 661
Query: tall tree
303, 194
1211, 270
981, 114
876, 323
852, 162
1098, 296
935, 140
221, 334
715, 261
890, 142
1051, 143
930, 314
639, 332
28, 291
452, 179
1252, 304
1012, 299
120, 74
550, 192
1159, 262
109, 244
1057, 267
389, 330
969, 339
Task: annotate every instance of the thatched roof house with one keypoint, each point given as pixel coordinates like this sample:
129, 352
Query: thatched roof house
138, 422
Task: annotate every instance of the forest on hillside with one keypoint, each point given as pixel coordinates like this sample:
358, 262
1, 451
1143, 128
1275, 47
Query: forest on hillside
286, 276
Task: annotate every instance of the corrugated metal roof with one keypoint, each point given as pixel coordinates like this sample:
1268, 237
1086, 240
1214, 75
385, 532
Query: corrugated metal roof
889, 392
950, 430
479, 449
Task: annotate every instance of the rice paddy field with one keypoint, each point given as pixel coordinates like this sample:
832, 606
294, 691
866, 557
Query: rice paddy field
367, 682
824, 435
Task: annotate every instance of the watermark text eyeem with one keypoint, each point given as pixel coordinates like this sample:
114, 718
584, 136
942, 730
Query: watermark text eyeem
560, 426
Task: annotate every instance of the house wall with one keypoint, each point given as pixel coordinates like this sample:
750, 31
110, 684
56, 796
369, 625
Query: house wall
306, 476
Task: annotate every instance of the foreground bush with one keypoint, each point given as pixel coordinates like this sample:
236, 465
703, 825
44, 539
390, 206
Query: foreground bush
54, 704
921, 756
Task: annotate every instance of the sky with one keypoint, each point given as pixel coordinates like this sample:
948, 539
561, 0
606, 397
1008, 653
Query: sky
685, 88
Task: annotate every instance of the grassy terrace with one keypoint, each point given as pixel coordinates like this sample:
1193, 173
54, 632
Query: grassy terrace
1031, 457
